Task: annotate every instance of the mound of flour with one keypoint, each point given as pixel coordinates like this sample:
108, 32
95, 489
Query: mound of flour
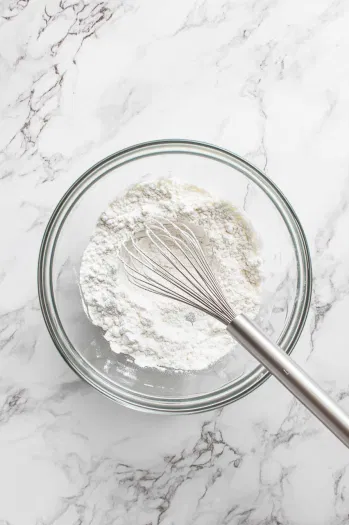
156, 331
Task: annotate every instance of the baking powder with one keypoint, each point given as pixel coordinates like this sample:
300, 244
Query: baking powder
156, 331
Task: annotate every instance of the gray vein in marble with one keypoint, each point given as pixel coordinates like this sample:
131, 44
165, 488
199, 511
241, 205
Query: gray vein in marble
327, 266
155, 487
13, 9
200, 16
15, 337
14, 404
86, 20
42, 98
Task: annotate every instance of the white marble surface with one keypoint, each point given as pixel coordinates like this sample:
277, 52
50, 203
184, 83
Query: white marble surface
268, 79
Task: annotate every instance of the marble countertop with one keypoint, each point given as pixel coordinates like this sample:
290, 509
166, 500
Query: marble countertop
266, 79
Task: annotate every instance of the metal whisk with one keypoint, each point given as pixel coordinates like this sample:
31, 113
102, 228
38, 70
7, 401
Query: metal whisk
173, 264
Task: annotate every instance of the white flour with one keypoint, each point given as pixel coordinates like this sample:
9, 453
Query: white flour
156, 331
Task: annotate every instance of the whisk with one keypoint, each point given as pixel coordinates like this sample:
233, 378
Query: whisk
174, 265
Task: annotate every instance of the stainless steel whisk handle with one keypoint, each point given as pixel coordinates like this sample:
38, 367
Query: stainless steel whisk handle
291, 376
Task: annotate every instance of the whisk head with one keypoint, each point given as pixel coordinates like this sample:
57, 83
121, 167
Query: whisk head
174, 265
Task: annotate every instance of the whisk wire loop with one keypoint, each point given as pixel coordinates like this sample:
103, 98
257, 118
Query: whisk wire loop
175, 266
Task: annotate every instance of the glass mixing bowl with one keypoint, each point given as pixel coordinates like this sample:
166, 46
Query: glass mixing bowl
286, 286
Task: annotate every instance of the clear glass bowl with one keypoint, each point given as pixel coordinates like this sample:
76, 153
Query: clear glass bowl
286, 288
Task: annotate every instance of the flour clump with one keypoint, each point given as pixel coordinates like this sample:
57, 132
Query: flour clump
154, 330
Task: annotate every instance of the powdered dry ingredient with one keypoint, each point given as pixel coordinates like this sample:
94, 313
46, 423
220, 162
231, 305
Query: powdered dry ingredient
156, 331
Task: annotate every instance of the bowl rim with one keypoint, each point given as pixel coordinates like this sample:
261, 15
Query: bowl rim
128, 397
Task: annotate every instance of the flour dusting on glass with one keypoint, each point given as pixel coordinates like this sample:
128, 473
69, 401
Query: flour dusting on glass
156, 331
